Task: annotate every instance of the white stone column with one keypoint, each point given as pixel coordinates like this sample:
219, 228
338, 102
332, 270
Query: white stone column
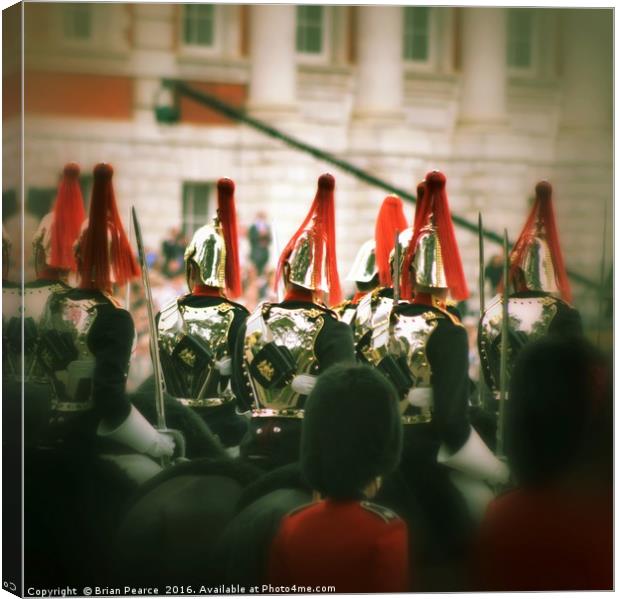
483, 88
153, 55
273, 70
379, 61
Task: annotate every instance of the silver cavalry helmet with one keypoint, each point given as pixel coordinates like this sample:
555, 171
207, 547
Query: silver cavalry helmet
206, 252
428, 259
365, 264
302, 261
537, 266
404, 237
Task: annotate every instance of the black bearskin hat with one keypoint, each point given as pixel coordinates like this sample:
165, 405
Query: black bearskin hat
351, 432
557, 390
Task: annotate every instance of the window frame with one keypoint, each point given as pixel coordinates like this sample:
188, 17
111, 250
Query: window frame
322, 57
198, 50
534, 66
430, 64
68, 42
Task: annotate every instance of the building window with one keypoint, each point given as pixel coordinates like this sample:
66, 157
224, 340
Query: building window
416, 46
310, 27
520, 38
77, 22
199, 25
196, 198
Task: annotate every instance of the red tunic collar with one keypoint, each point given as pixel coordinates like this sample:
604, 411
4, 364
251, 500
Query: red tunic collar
207, 291
427, 299
49, 274
299, 295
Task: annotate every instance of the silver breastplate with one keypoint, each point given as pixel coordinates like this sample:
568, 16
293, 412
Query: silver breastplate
65, 326
363, 321
30, 307
405, 339
297, 330
529, 319
35, 300
11, 333
410, 336
191, 340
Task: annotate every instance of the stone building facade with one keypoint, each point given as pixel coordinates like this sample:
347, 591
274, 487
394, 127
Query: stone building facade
497, 98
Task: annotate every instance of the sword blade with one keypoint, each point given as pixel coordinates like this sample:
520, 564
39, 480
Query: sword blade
159, 381
503, 368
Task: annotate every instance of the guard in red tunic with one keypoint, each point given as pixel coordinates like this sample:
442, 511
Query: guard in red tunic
351, 438
284, 346
197, 332
555, 530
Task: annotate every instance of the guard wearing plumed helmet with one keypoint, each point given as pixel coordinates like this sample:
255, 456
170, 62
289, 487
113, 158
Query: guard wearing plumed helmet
283, 346
390, 221
540, 295
86, 340
422, 347
366, 278
54, 263
197, 332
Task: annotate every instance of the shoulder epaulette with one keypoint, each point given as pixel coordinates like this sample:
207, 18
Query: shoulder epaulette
453, 317
320, 311
341, 306
384, 513
237, 305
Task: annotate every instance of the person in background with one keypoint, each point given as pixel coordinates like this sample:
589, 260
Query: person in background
351, 438
493, 272
172, 253
259, 235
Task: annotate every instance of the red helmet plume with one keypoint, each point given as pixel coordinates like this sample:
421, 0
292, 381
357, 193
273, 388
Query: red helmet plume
105, 254
68, 216
540, 228
390, 220
319, 242
433, 217
227, 215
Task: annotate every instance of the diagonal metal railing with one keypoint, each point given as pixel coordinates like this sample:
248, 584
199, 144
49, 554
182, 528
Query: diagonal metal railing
238, 114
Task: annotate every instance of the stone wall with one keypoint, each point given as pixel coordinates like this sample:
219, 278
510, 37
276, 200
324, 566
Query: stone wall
492, 167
